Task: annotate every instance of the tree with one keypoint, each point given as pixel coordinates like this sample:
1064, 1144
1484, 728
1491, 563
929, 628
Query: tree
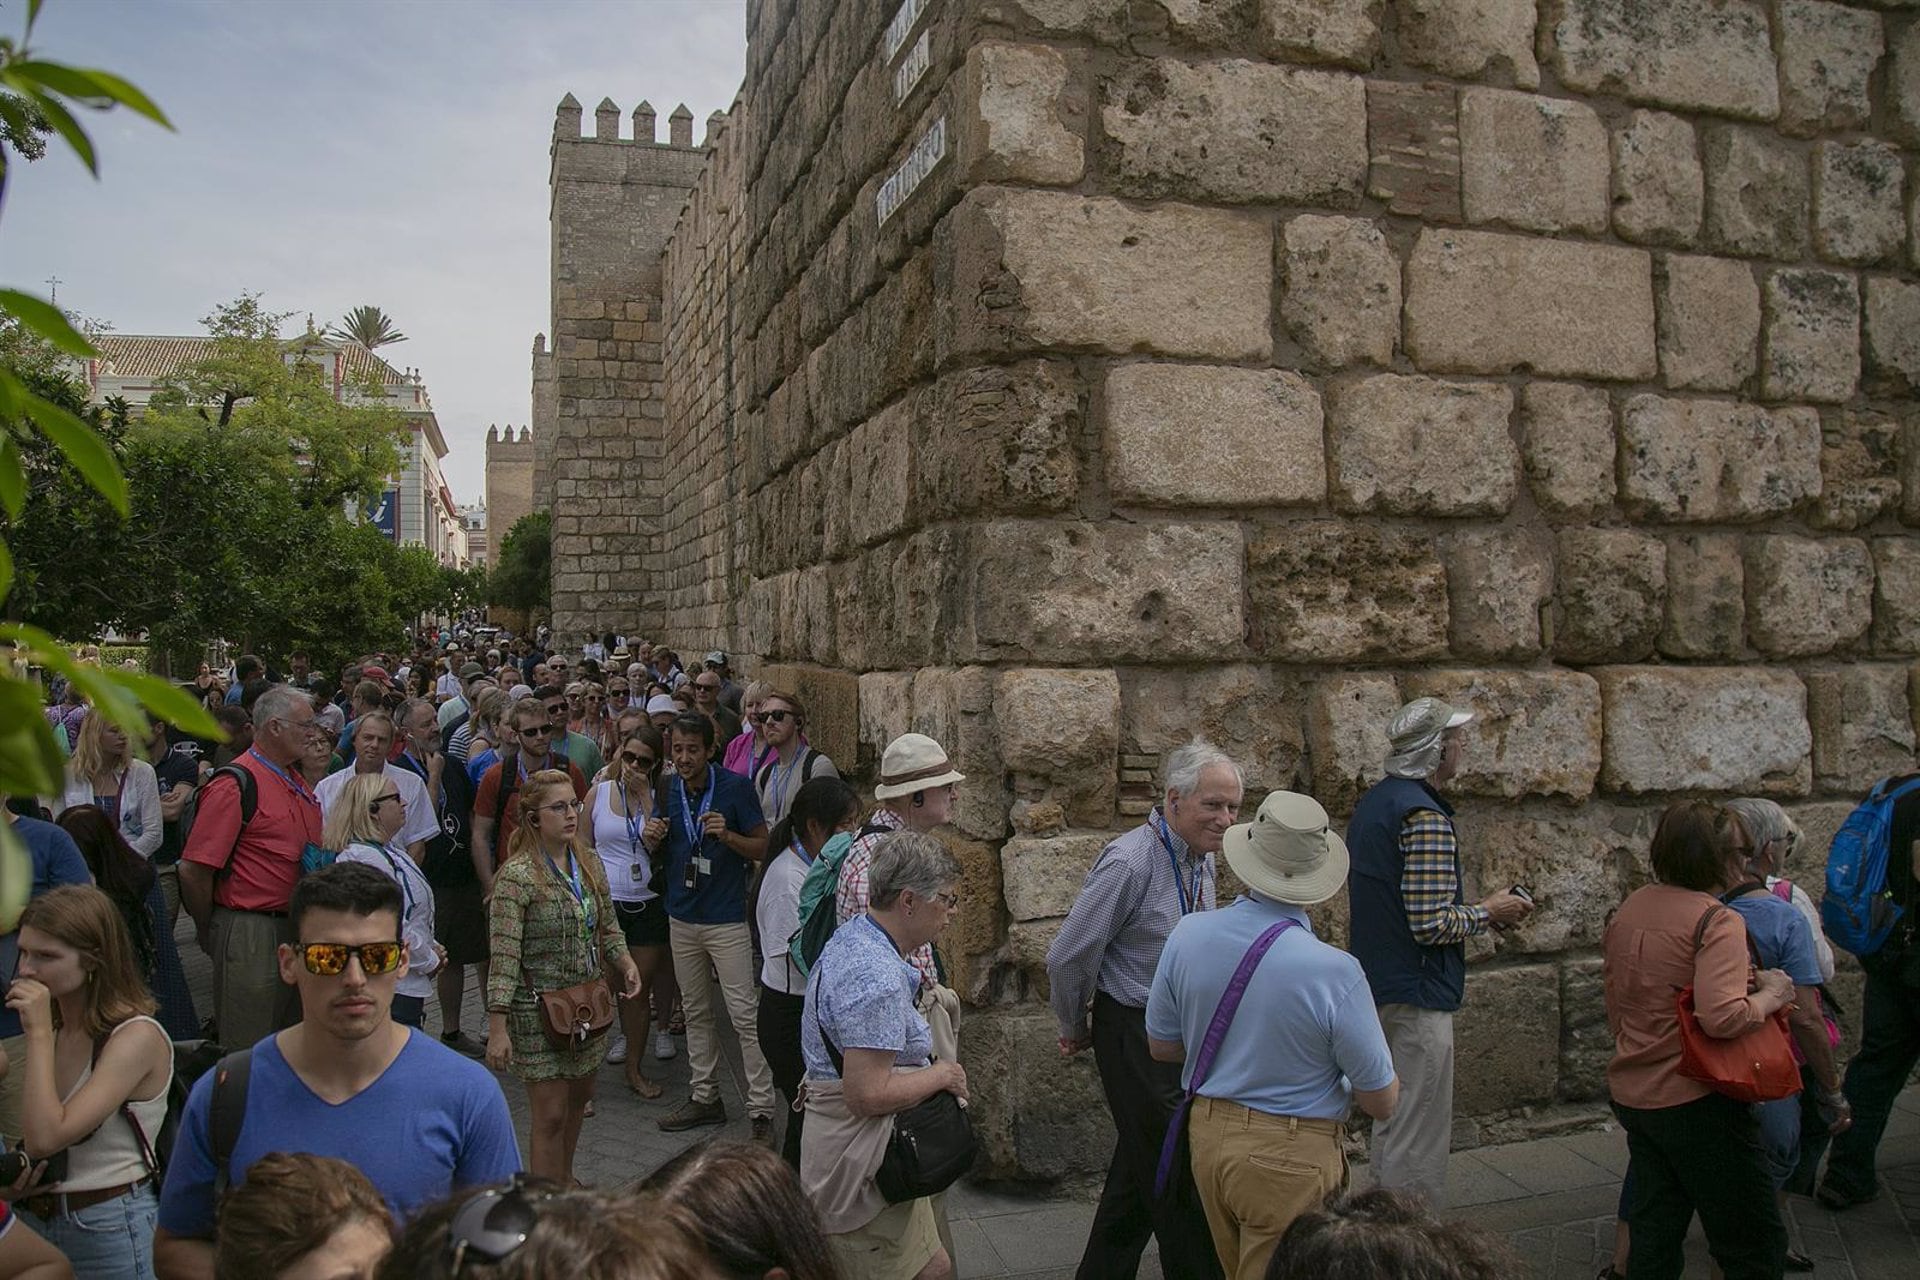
522, 572
370, 327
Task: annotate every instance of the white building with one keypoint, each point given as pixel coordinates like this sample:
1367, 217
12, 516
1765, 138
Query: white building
474, 519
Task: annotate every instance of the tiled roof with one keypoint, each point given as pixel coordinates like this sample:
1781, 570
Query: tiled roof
150, 357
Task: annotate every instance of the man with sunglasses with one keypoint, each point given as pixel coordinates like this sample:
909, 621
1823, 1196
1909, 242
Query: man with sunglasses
706, 700
577, 747
791, 762
529, 750
345, 1081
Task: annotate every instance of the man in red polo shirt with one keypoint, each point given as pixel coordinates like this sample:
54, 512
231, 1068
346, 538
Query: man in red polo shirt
236, 877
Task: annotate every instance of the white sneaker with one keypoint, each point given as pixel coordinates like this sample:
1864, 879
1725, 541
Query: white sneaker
663, 1046
617, 1048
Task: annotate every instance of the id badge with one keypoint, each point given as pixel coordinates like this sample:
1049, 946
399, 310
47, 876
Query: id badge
704, 866
638, 871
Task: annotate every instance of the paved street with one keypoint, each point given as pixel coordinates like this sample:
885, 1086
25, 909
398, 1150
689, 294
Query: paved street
1554, 1198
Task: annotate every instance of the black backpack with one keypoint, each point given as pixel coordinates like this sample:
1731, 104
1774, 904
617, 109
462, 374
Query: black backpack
226, 1111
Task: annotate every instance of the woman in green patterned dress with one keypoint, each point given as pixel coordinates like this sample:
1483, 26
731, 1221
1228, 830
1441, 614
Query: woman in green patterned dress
552, 926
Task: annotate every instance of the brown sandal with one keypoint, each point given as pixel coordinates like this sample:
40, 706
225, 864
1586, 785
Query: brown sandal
644, 1087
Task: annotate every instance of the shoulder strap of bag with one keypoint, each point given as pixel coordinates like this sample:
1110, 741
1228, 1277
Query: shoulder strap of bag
227, 1112
147, 1159
1700, 931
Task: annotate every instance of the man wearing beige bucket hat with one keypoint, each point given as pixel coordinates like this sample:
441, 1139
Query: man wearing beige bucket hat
1411, 921
1274, 1050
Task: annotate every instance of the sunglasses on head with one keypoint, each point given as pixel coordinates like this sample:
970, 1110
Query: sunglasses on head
329, 959
494, 1223
775, 716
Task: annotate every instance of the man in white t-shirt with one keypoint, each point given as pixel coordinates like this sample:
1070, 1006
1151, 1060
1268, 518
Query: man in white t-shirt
372, 741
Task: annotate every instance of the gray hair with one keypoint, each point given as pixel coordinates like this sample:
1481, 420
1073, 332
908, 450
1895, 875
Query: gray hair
406, 710
1185, 765
905, 860
277, 701
1763, 821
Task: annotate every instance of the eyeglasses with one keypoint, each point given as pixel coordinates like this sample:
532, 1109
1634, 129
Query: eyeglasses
645, 762
951, 901
494, 1223
776, 716
617, 693
557, 709
329, 959
380, 800
559, 807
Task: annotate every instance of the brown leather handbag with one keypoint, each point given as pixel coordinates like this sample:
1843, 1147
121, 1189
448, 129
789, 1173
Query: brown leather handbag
574, 1015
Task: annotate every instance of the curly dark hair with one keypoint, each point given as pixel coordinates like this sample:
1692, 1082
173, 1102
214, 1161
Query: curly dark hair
1387, 1233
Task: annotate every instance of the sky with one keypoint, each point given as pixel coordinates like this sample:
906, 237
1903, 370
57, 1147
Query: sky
391, 152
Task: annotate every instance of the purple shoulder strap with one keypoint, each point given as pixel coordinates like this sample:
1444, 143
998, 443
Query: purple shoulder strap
1210, 1047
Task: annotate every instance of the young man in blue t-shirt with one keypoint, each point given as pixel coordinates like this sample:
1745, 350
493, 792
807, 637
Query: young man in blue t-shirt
347, 1081
714, 834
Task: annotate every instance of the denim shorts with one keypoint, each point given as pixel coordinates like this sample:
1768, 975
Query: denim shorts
108, 1241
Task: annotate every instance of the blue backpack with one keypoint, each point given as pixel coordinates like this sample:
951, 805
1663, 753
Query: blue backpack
1857, 911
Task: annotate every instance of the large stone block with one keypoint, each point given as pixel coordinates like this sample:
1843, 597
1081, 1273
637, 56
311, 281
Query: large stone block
1859, 469
1061, 730
1716, 460
1827, 56
1413, 132
1345, 32
1706, 55
1334, 591
1862, 726
1756, 193
1859, 214
954, 707
1484, 303
1045, 270
1023, 118
1043, 877
1807, 595
1533, 733
1038, 1116
1610, 589
1715, 729
1498, 580
1658, 185
1251, 712
1532, 163
1903, 85
1104, 21
1470, 39
1106, 592
1910, 469
1896, 596
1415, 446
1586, 1042
1893, 334
1570, 861
1236, 131
833, 707
1568, 444
1347, 719
1340, 294
1028, 417
1506, 1039
880, 503
972, 942
1812, 337
1706, 597
1186, 435
1709, 322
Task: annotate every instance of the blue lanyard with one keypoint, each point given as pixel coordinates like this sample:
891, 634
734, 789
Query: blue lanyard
688, 818
400, 877
572, 881
633, 826
802, 851
298, 788
1189, 897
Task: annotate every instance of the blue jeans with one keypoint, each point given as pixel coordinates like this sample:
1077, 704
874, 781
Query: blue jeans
110, 1241
1779, 1136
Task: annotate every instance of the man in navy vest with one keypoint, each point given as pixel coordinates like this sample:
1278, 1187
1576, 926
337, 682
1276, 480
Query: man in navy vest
1410, 926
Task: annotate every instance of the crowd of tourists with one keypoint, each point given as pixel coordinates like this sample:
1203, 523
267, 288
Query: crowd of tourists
621, 855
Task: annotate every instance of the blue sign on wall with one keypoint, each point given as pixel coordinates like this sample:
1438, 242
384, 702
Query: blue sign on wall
386, 514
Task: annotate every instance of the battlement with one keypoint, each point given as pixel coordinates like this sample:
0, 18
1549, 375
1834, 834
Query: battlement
569, 117
499, 441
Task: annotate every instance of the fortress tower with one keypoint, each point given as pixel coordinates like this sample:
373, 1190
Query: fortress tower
598, 391
509, 481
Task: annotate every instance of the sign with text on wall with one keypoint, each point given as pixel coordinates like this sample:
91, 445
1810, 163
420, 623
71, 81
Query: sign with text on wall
912, 67
386, 514
902, 26
926, 153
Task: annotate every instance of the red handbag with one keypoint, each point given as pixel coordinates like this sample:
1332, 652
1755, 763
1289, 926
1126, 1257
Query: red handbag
1754, 1066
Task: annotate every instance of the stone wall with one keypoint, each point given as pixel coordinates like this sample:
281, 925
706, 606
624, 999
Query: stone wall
1250, 366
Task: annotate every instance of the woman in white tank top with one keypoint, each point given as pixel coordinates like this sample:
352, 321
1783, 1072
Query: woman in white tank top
96, 1076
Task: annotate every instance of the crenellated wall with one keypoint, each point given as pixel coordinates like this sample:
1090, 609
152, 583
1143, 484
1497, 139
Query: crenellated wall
1250, 366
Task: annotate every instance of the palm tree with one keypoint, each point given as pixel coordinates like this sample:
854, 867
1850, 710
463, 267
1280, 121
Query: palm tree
370, 327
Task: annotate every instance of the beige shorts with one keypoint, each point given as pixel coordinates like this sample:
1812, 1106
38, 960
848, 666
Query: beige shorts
894, 1246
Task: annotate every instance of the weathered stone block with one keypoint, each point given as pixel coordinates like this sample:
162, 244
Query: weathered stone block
1415, 446
1896, 596
1022, 117
1569, 860
955, 709
1610, 592
1739, 730
1716, 460
1484, 303
1506, 1038
1807, 595
1470, 39
1027, 417
1346, 32
1859, 470
1040, 1117
1332, 591
1706, 55
973, 941
1756, 193
1043, 877
1903, 85
833, 706
1347, 719
1260, 445
1862, 726
1893, 334
1498, 580
1910, 470
880, 502
1827, 56
1568, 445
1532, 163
1658, 185
1236, 131
1107, 592
1044, 270
1812, 336
1586, 1042
1709, 322
1062, 727
1253, 713
1859, 214
1341, 289
1706, 597
1413, 132
1534, 732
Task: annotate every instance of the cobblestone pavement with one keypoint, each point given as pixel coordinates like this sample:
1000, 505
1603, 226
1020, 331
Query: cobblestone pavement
1553, 1198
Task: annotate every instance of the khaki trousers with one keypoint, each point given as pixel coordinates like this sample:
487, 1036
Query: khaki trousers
250, 1002
699, 952
1256, 1173
1409, 1151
